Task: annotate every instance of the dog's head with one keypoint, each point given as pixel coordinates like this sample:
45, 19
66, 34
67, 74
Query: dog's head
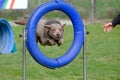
55, 31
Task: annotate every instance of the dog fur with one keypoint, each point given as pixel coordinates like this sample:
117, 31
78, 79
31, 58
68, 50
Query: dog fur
50, 32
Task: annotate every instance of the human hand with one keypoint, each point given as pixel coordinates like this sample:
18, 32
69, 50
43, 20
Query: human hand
108, 27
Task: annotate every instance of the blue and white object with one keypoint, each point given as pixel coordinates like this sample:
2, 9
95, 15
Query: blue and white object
7, 43
13, 4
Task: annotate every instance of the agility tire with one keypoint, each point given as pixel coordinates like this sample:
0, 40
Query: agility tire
78, 34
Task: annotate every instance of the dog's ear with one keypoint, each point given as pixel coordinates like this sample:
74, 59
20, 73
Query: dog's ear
47, 26
63, 26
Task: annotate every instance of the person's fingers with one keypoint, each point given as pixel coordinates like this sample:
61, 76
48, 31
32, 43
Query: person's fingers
105, 29
109, 29
107, 24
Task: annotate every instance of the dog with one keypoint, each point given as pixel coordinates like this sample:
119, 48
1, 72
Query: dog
50, 33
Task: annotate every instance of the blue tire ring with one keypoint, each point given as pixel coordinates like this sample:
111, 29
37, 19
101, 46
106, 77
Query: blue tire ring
78, 34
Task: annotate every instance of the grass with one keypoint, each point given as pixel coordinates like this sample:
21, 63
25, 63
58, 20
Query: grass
104, 48
103, 58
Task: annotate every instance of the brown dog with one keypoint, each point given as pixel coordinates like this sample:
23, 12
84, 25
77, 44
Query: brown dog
50, 33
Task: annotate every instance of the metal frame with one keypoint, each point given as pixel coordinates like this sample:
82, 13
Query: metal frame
84, 57
24, 36
24, 54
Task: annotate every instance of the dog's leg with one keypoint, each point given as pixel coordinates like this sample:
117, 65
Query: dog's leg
60, 42
51, 42
42, 41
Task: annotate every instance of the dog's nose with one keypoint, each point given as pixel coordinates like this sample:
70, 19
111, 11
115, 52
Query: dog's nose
58, 35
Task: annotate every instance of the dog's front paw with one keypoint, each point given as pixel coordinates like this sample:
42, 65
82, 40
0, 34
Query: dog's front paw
60, 42
52, 42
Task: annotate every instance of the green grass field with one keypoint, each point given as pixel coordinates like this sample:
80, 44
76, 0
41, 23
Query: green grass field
103, 58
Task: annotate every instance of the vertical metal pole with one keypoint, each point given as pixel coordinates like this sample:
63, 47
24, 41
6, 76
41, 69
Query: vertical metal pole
93, 10
24, 55
84, 57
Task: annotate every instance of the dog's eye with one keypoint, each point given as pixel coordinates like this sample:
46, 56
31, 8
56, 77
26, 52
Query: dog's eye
53, 30
60, 29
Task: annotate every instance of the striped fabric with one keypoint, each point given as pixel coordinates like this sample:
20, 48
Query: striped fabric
13, 4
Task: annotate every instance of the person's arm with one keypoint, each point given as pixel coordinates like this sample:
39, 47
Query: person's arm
116, 20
